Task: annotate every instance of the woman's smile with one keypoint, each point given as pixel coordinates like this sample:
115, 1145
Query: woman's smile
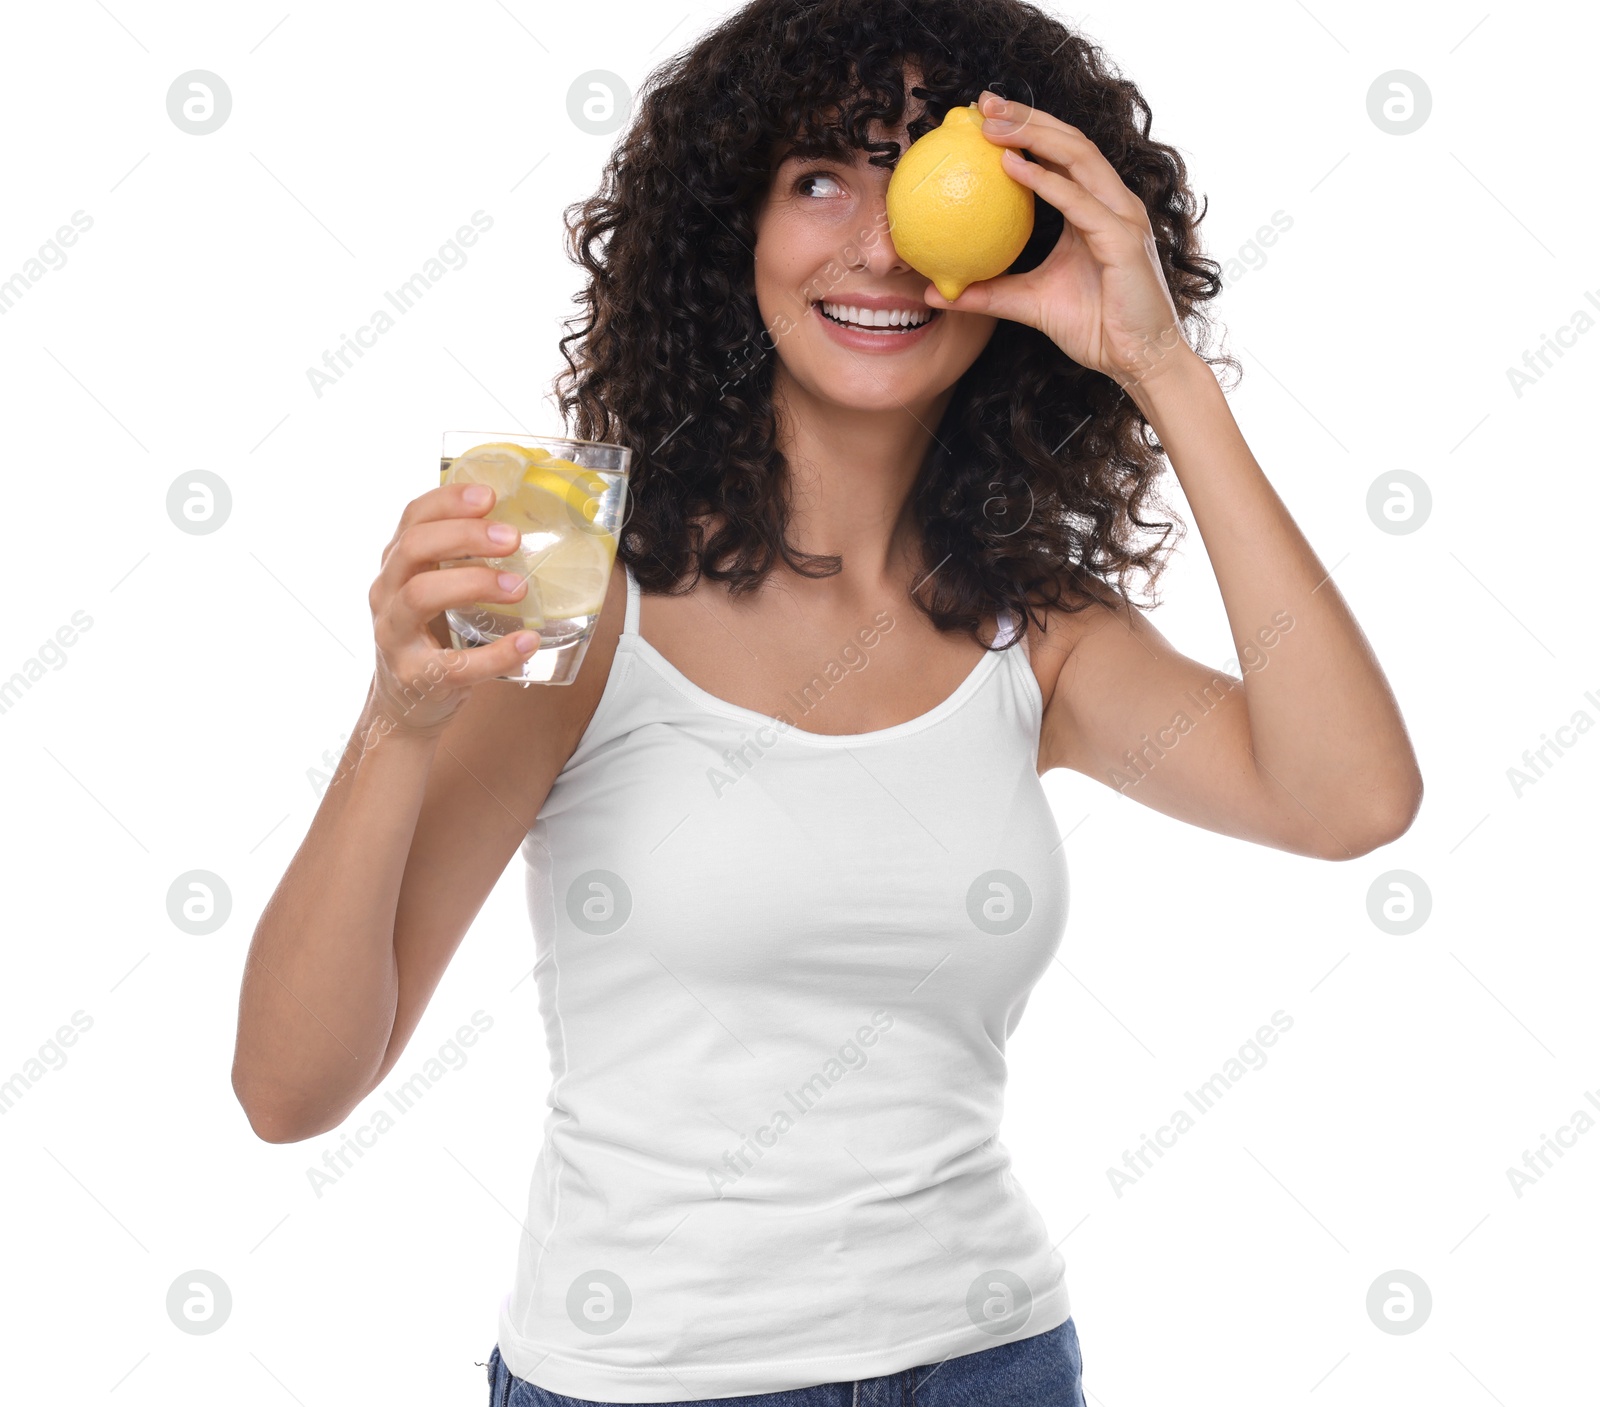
875, 324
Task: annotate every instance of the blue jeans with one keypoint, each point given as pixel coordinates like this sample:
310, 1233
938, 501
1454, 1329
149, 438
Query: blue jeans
1043, 1371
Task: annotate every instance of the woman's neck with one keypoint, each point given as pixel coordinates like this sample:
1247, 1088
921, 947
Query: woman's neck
851, 473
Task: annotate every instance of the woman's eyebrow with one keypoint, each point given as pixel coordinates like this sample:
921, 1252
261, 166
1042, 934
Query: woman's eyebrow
795, 150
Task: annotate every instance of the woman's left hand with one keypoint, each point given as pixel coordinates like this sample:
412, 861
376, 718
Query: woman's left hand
1100, 294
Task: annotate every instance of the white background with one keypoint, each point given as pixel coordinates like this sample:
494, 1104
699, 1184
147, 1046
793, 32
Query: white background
178, 733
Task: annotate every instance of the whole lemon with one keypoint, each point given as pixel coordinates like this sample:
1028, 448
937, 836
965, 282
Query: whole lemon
955, 215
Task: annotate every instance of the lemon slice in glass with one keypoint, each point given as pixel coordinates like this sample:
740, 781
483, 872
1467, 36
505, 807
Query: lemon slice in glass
567, 566
499, 466
572, 576
580, 488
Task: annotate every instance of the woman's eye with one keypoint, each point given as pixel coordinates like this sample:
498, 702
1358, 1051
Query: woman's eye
801, 182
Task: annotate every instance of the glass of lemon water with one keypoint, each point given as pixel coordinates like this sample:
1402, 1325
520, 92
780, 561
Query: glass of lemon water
567, 498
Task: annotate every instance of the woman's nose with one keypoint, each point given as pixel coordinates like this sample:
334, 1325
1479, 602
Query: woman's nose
877, 254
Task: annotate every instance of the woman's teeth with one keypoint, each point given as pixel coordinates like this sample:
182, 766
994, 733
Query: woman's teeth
876, 320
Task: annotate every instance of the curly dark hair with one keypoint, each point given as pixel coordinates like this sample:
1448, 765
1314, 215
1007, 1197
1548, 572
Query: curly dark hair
1039, 470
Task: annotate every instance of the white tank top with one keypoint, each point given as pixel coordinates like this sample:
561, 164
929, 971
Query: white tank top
777, 971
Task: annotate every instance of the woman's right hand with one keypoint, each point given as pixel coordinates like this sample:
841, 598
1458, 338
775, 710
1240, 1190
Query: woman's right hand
419, 681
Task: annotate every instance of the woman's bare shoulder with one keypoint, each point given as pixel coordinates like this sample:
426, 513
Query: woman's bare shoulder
1085, 604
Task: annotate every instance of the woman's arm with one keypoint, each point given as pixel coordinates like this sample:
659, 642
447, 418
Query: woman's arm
1308, 752
436, 789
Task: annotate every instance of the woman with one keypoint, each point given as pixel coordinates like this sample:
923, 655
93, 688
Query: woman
791, 870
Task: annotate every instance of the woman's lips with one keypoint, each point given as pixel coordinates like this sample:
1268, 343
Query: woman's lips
862, 341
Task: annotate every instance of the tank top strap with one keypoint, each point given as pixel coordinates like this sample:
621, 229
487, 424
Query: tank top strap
630, 618
1007, 622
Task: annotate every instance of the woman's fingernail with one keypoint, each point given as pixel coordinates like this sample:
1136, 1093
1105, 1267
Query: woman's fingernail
503, 533
526, 642
478, 495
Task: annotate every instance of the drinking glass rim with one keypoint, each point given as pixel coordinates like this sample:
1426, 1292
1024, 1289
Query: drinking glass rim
510, 436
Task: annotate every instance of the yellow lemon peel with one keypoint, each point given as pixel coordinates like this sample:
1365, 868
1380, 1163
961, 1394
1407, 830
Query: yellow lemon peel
955, 214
